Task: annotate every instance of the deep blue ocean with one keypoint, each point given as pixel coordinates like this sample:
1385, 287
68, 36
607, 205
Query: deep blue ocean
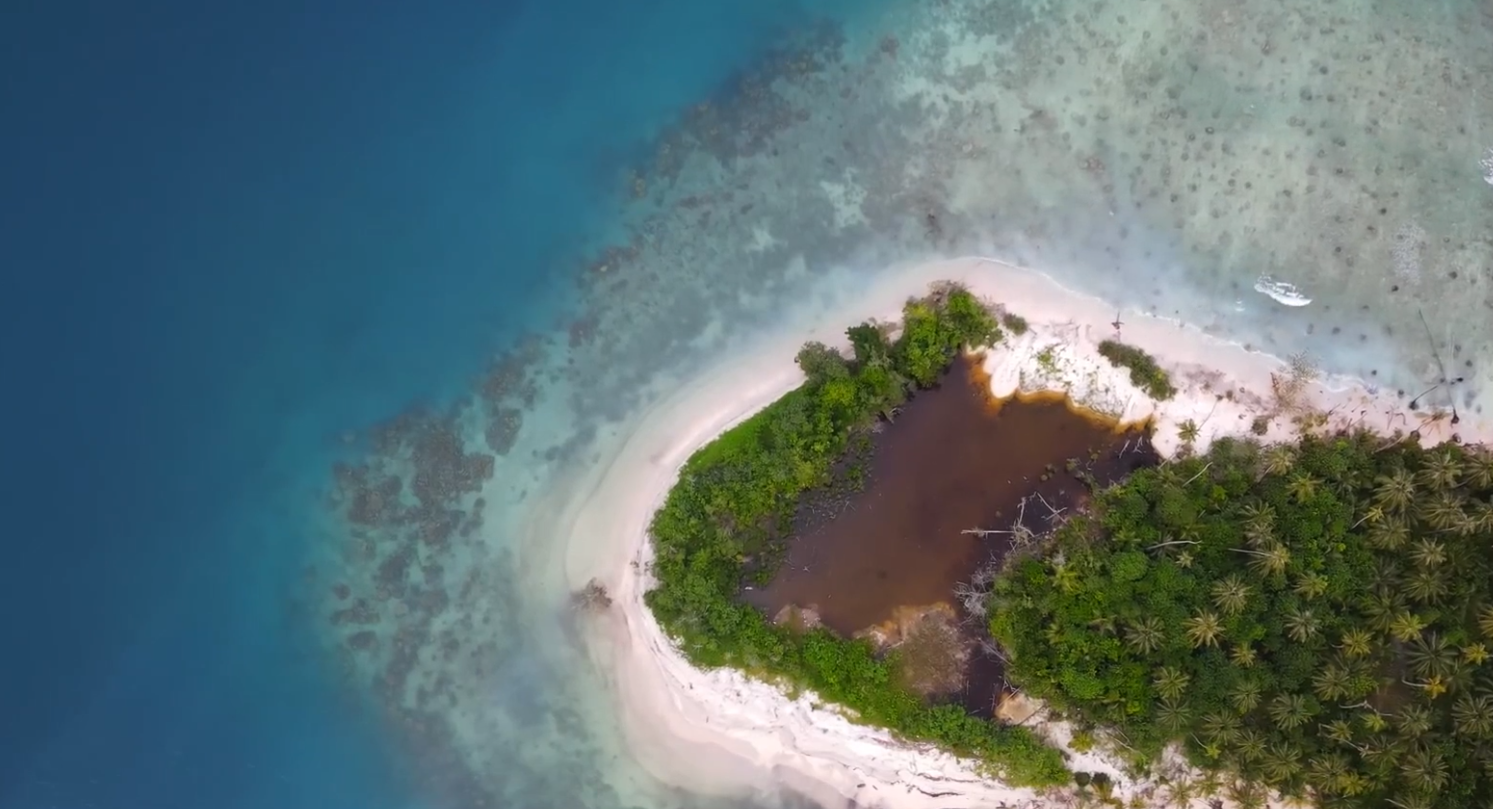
228, 234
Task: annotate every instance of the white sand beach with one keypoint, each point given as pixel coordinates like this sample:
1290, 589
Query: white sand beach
718, 731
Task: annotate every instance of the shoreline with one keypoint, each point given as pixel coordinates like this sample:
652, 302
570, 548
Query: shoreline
720, 732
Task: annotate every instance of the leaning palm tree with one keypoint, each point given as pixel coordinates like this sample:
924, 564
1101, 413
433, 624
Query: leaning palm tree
1441, 471
1269, 561
1145, 635
1338, 730
1395, 491
1204, 629
1171, 683
1231, 594
1289, 711
1301, 624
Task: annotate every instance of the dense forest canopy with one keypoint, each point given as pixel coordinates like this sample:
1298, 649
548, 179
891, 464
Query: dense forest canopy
1315, 617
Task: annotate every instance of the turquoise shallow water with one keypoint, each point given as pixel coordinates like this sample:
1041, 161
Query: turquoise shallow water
238, 244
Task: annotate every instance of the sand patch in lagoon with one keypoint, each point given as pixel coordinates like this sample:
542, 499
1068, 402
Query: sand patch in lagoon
720, 732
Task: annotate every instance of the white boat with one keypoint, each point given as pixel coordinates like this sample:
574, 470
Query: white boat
1283, 292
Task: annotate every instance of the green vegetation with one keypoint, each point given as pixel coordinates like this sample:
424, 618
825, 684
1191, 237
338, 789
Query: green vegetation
1015, 324
1316, 617
1144, 372
735, 500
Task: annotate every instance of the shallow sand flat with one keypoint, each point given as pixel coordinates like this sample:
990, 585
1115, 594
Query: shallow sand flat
720, 732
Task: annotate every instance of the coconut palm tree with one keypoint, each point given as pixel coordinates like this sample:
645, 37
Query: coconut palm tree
1426, 585
1384, 576
1389, 534
1424, 769
1431, 655
1220, 728
1231, 594
1413, 800
1482, 516
1250, 745
1282, 762
1395, 491
1414, 721
1289, 711
1467, 522
1145, 635
1442, 511
1441, 470
1171, 683
1311, 585
1243, 655
1371, 515
1485, 622
1480, 470
1333, 682
1259, 524
1338, 730
1301, 624
1303, 487
1406, 625
1382, 608
1428, 552
1472, 716
1327, 770
1245, 696
1204, 629
1278, 460
1272, 560
1172, 717
1188, 431
1356, 642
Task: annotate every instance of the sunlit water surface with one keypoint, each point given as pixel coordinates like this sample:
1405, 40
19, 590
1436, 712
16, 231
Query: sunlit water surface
341, 319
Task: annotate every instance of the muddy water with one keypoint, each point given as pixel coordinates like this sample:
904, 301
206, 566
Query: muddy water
954, 460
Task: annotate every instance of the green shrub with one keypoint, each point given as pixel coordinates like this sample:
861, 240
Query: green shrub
1144, 372
1015, 324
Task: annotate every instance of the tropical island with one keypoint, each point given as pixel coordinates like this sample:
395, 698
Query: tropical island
1285, 601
